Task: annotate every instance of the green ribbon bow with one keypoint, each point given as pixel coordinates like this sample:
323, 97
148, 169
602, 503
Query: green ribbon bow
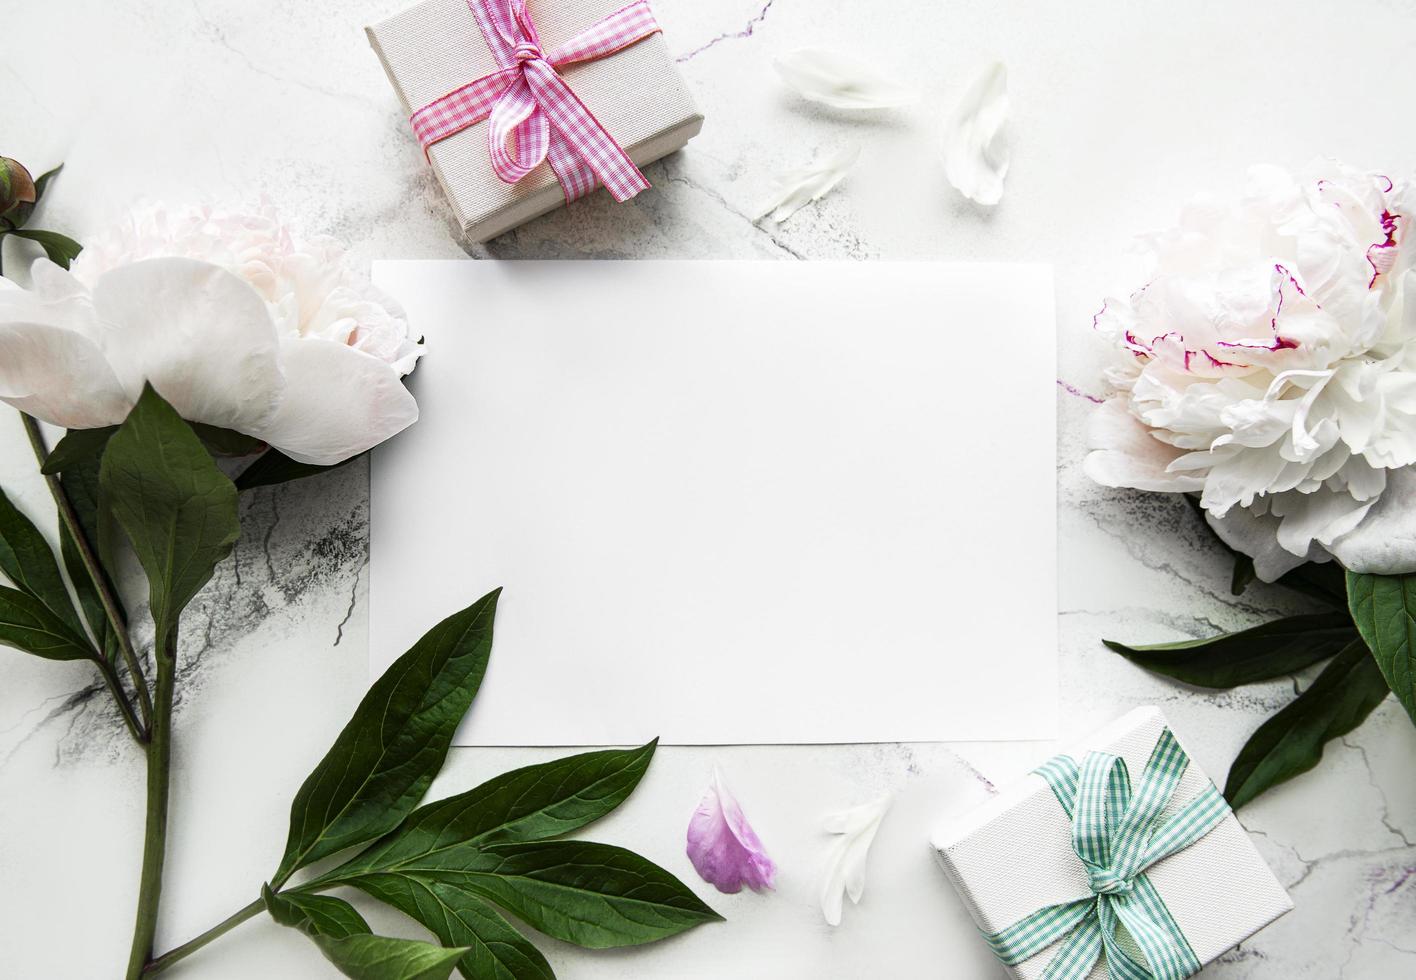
1117, 834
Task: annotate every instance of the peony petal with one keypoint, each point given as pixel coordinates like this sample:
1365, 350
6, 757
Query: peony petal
338, 402
1385, 542
59, 376
1315, 518
200, 335
840, 81
1256, 535
54, 297
1126, 455
797, 188
976, 152
54, 282
845, 870
722, 845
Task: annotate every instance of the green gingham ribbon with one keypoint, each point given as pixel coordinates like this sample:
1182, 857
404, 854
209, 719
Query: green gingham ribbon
1117, 834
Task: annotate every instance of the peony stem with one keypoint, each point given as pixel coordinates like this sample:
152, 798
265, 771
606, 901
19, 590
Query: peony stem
70, 520
191, 946
159, 764
110, 677
223, 927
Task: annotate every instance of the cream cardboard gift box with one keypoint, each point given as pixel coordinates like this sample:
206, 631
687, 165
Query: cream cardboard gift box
436, 47
1013, 856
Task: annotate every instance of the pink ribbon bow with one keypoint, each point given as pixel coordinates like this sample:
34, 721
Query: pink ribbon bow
531, 108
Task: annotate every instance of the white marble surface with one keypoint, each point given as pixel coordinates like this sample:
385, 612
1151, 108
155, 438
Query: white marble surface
1121, 110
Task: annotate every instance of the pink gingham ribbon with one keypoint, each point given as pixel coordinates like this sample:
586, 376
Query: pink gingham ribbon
533, 115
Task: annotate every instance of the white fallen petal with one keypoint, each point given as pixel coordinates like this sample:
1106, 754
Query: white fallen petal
845, 870
795, 189
840, 81
976, 152
339, 401
201, 336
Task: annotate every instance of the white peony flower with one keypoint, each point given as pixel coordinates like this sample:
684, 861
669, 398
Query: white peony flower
236, 321
1269, 364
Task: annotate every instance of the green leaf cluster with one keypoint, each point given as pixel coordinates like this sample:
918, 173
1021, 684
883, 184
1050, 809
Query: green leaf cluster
1363, 625
19, 196
457, 864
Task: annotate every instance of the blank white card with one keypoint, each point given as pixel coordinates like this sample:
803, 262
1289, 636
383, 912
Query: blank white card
730, 502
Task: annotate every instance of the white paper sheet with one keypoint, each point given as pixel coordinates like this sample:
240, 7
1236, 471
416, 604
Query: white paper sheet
730, 502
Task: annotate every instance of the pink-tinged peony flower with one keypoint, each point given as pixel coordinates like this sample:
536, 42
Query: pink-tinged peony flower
1269, 365
235, 319
722, 845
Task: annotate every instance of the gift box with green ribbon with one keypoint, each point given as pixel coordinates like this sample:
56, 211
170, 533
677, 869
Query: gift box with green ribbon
1117, 859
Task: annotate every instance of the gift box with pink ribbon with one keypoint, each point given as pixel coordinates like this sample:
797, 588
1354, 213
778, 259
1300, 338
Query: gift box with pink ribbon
524, 105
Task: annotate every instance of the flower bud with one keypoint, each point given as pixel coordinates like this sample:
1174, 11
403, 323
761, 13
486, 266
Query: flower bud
17, 194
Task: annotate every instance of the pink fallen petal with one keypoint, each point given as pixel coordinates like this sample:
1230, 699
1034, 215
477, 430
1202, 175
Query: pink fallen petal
722, 845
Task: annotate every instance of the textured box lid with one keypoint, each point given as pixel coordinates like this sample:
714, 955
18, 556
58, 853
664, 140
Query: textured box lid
637, 94
1013, 855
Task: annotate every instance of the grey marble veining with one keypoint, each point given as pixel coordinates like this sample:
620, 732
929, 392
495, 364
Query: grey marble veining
1120, 113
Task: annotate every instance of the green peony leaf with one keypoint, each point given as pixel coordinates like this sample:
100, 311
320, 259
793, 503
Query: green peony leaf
385, 758
1319, 580
275, 467
448, 864
343, 936
315, 914
527, 804
61, 249
227, 442
592, 895
1384, 609
458, 917
41, 183
382, 958
1256, 654
28, 624
29, 562
1291, 742
450, 859
1244, 574
80, 482
178, 509
77, 446
76, 461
